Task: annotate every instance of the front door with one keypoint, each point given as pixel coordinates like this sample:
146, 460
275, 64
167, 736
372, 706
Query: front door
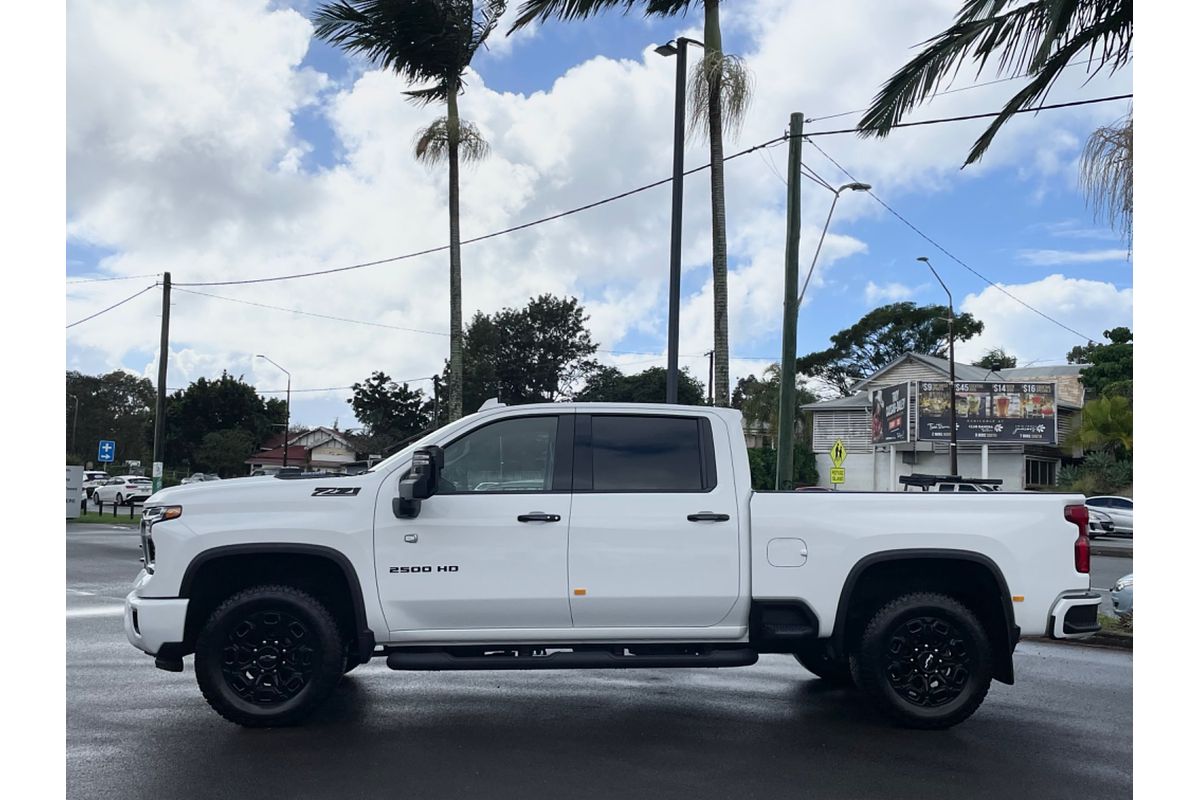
654, 524
489, 550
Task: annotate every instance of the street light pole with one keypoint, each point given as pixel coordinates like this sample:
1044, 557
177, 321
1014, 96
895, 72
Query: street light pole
74, 421
287, 407
785, 458
953, 391
679, 50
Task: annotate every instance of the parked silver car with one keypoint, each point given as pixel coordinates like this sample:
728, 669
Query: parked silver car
1099, 524
1122, 595
1119, 508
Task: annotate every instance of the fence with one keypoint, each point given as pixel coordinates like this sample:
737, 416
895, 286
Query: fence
134, 508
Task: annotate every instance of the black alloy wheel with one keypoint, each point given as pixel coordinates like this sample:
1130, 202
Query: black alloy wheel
924, 660
269, 656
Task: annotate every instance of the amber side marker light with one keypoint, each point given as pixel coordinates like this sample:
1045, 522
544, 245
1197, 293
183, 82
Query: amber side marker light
580, 592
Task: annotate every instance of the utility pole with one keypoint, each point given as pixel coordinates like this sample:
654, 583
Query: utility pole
711, 354
436, 398
160, 402
74, 421
791, 308
953, 388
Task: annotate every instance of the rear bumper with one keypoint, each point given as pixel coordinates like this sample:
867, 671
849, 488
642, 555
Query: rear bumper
1074, 616
152, 622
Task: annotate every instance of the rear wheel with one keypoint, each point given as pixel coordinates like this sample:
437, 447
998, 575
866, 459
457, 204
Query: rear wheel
269, 656
924, 660
818, 659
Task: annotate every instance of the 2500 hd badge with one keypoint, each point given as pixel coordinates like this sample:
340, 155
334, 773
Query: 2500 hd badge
424, 568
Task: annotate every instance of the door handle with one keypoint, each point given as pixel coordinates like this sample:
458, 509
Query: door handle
411, 538
708, 516
538, 516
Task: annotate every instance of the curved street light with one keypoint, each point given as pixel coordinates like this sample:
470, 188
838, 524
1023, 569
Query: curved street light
953, 393
837, 193
287, 413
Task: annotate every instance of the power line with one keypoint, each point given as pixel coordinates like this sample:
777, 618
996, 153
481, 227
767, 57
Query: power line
953, 257
947, 91
114, 278
114, 305
986, 115
492, 235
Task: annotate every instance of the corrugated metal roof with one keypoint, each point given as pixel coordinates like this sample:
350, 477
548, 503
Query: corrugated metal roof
860, 400
1049, 371
970, 372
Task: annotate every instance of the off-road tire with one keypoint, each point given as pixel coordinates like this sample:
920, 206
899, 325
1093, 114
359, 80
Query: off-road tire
285, 686
820, 661
936, 649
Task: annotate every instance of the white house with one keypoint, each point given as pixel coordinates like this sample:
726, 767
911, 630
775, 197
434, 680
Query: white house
870, 468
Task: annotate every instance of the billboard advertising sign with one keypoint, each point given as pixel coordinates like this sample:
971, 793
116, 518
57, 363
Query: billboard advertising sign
889, 414
989, 413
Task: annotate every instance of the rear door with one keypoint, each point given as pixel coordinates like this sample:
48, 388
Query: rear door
654, 523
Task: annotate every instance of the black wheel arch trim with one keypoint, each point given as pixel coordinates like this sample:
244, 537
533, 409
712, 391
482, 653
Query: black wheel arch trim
1003, 665
365, 643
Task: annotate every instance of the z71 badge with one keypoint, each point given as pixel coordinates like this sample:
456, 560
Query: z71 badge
336, 491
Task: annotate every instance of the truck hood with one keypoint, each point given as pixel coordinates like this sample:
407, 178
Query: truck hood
268, 491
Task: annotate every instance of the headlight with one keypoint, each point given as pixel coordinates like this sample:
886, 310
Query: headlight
150, 516
1123, 584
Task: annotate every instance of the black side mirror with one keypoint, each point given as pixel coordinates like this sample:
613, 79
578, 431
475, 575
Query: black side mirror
421, 483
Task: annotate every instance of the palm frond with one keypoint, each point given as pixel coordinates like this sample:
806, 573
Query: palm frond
431, 145
1106, 175
1027, 39
566, 10
736, 86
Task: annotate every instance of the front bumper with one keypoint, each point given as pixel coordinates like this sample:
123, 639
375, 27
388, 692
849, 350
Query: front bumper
152, 622
1074, 615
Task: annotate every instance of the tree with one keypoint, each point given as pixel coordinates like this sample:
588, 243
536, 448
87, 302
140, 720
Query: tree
1106, 425
390, 412
996, 359
224, 452
427, 42
205, 406
882, 336
537, 354
610, 385
719, 93
1110, 366
116, 406
1106, 175
1034, 38
758, 400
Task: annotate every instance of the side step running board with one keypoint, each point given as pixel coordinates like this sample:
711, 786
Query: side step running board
586, 659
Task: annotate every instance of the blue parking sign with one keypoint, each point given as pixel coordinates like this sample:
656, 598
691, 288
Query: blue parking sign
108, 450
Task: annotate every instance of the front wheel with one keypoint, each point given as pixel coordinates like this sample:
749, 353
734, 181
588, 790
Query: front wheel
924, 660
120, 500
269, 656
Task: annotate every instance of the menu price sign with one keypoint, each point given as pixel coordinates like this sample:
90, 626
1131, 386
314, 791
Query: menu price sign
889, 414
989, 413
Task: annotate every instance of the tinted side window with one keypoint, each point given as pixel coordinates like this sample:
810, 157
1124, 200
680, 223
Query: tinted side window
1125, 504
1098, 503
513, 455
646, 454
966, 487
946, 487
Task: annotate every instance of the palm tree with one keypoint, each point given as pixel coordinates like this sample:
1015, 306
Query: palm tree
1106, 425
719, 93
1035, 38
430, 43
1106, 174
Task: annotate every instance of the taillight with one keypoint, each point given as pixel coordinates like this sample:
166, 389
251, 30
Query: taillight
1083, 548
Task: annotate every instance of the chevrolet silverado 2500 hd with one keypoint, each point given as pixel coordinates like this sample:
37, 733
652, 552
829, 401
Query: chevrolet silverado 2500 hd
592, 536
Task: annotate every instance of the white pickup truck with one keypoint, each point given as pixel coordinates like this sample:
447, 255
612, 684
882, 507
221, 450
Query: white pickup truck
598, 536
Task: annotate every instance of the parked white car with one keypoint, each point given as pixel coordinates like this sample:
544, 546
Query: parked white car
92, 479
123, 489
1119, 508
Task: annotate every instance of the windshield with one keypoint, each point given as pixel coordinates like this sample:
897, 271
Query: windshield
441, 434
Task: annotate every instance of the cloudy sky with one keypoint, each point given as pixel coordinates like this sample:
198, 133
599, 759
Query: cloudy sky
219, 141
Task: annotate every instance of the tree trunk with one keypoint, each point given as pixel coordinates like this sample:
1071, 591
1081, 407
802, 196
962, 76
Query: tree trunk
454, 387
713, 54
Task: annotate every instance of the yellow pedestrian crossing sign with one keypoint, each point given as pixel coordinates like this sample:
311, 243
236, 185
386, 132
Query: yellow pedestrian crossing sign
838, 454
837, 475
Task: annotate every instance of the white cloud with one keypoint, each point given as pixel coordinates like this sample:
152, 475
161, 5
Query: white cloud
1087, 306
875, 293
184, 155
1054, 258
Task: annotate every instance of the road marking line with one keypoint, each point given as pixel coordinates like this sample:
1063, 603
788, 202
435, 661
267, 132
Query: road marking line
81, 592
99, 611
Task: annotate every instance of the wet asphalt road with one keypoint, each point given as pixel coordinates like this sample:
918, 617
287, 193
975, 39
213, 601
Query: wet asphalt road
767, 731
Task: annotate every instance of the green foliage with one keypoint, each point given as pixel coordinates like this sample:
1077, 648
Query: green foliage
225, 404
763, 461
1106, 175
116, 406
758, 400
1099, 473
1110, 370
996, 359
1035, 39
390, 412
882, 336
610, 385
431, 145
1106, 425
224, 452
537, 354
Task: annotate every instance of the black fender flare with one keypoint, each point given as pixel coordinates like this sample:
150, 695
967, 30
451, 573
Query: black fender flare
1003, 667
365, 644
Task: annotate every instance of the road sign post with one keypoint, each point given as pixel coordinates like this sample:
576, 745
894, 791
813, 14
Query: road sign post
156, 475
837, 454
107, 451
